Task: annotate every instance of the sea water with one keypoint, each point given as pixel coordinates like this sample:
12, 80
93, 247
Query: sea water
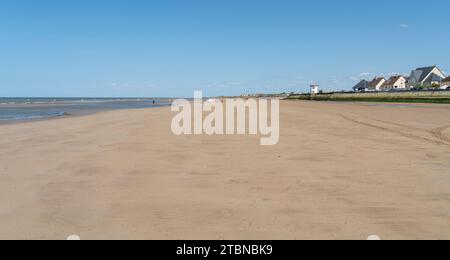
22, 109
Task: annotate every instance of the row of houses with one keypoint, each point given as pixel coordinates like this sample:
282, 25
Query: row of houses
427, 77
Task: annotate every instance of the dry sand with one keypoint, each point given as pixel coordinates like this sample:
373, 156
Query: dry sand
340, 171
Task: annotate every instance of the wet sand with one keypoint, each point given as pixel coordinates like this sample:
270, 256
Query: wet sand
340, 171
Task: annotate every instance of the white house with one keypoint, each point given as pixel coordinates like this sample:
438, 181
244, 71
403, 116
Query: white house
376, 84
426, 77
445, 83
314, 89
395, 82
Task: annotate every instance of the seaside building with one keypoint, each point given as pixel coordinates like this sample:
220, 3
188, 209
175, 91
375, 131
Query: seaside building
314, 89
362, 86
445, 83
426, 77
395, 82
376, 84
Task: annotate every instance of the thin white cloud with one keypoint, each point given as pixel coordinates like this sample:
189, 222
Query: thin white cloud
366, 74
404, 26
224, 85
390, 74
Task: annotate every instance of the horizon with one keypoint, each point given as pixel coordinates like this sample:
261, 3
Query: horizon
118, 49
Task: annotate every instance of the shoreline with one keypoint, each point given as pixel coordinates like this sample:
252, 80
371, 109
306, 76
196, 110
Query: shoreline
68, 116
92, 112
23, 112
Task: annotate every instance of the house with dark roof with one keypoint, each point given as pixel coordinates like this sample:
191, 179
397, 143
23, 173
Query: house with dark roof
376, 84
362, 86
395, 82
426, 77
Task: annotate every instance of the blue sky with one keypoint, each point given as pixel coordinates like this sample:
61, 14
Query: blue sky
141, 48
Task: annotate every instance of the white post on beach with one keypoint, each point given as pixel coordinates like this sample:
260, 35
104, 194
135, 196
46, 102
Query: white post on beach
314, 90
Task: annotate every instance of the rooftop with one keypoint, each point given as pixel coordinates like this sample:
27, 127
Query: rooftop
393, 80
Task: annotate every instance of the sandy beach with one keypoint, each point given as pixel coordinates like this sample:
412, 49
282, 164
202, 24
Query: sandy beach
340, 171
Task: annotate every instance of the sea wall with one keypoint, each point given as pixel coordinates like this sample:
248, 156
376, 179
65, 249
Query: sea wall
406, 96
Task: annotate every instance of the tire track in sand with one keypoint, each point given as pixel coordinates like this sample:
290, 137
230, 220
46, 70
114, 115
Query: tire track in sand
438, 133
